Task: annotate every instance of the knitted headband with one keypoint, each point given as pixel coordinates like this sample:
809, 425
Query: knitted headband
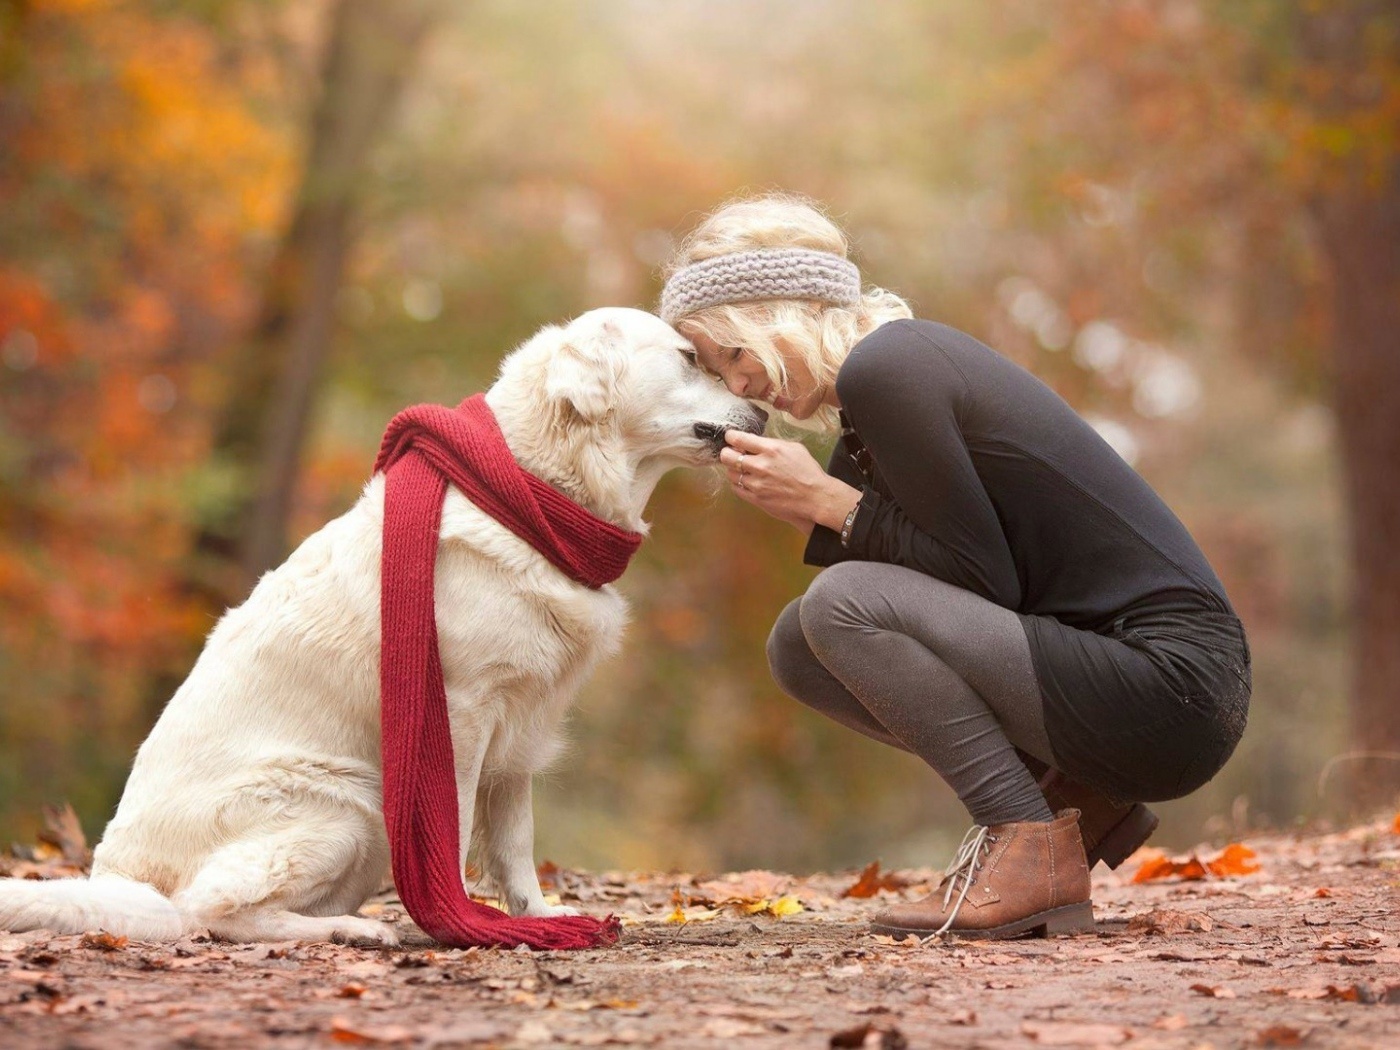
760, 273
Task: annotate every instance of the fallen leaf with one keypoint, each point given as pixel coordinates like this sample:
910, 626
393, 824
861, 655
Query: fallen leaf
870, 1035
785, 906
1322, 891
1165, 922
1396, 826
745, 885
680, 915
64, 833
1213, 991
344, 1031
103, 941
1356, 993
872, 882
1280, 1035
548, 874
1064, 1033
352, 991
1234, 859
585, 1005
729, 1028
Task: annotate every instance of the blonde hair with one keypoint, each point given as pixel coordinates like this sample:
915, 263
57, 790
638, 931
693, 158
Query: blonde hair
820, 333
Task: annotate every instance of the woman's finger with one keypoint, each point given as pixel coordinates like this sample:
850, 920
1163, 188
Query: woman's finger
746, 442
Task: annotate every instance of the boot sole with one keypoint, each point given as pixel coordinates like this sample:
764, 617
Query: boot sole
1124, 838
1070, 918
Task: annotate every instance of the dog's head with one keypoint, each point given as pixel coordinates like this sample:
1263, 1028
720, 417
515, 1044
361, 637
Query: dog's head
622, 374
612, 398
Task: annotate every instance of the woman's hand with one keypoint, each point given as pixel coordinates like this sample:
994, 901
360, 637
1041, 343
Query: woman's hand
782, 479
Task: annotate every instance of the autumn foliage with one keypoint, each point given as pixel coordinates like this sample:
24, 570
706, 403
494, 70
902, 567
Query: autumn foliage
1127, 197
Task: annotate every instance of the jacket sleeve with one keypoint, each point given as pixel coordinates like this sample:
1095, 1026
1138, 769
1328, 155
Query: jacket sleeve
824, 546
904, 395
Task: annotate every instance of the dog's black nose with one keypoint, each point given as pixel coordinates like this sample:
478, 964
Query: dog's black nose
710, 431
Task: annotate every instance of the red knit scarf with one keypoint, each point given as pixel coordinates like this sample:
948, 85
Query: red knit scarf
424, 448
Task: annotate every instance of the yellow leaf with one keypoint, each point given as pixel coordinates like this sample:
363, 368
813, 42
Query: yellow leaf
785, 906
677, 915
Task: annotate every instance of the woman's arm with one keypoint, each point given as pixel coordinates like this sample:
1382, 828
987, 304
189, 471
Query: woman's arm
904, 394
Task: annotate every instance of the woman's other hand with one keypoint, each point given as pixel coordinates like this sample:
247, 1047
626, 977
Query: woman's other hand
782, 479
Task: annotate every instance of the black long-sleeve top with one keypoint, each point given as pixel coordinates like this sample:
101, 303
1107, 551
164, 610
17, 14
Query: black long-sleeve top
985, 478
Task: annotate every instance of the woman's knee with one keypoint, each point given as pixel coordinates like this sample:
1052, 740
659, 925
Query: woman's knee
789, 657
843, 597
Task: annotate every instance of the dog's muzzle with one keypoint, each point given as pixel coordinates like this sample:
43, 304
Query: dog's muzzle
753, 421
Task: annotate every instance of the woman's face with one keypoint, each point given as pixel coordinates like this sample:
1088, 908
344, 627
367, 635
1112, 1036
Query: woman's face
745, 377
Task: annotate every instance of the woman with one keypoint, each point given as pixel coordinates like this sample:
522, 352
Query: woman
1005, 597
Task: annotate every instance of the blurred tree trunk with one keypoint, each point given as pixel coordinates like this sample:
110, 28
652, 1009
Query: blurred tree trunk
1357, 209
273, 382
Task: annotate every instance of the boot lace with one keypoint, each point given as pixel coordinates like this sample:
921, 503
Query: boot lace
963, 870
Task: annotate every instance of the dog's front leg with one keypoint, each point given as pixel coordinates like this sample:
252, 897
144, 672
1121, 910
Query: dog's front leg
469, 753
508, 844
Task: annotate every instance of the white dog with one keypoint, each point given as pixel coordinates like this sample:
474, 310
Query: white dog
254, 806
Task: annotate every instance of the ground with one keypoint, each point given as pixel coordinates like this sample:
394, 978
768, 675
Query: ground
1304, 951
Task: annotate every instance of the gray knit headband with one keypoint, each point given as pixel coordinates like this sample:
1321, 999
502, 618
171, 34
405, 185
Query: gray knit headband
760, 273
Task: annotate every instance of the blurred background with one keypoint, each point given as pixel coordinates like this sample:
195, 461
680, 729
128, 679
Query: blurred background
237, 235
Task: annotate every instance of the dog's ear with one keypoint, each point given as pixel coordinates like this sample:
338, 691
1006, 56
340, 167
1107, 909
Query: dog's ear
582, 371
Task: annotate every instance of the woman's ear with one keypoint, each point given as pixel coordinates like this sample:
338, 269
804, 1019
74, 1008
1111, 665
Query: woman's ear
582, 372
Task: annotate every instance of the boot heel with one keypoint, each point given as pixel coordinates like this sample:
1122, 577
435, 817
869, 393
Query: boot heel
1073, 918
1124, 838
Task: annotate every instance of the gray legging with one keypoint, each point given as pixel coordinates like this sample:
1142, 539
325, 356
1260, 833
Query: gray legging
924, 666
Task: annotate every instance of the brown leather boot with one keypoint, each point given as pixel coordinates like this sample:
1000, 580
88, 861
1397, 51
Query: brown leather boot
1007, 880
1112, 831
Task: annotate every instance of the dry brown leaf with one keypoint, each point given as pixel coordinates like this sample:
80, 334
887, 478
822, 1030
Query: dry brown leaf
548, 874
883, 1037
1396, 826
1215, 991
727, 1028
1066, 1033
352, 991
745, 885
103, 941
64, 833
1280, 1035
1165, 922
871, 882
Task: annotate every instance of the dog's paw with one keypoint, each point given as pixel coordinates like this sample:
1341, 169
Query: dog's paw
355, 932
548, 911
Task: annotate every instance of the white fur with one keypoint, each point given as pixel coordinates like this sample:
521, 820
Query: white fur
254, 806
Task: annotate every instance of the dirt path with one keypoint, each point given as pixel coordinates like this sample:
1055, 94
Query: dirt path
1303, 952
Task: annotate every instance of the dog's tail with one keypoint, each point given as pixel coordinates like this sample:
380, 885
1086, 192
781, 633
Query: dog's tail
117, 905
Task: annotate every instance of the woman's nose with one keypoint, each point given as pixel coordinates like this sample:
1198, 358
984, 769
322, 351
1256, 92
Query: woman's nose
737, 383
